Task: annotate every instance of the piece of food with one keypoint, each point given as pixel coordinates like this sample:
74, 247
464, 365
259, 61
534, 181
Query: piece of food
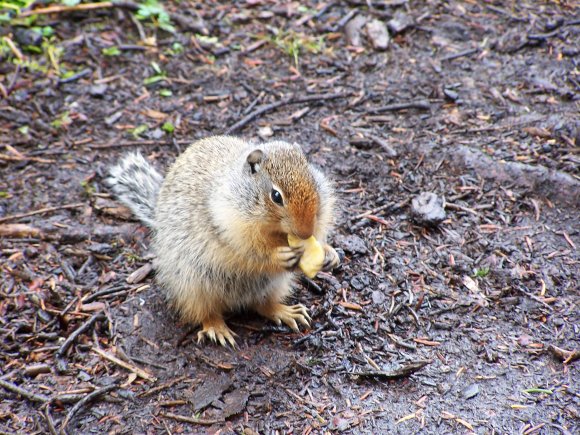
313, 257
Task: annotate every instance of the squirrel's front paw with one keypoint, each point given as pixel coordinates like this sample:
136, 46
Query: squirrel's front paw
288, 257
331, 258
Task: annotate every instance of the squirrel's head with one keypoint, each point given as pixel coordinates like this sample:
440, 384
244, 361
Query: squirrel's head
286, 188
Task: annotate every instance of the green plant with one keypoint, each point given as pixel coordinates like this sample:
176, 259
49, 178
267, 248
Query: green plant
481, 272
168, 127
153, 10
88, 188
111, 51
293, 43
62, 121
139, 130
159, 75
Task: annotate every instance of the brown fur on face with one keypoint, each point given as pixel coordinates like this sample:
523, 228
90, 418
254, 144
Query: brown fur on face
300, 192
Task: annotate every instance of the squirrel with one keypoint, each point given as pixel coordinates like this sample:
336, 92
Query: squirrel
220, 224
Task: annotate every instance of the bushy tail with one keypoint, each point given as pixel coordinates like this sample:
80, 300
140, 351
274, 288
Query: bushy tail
136, 184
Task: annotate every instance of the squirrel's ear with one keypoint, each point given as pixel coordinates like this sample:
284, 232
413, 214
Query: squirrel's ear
254, 159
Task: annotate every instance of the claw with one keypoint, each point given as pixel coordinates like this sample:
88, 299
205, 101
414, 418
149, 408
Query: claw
288, 257
217, 331
279, 313
331, 258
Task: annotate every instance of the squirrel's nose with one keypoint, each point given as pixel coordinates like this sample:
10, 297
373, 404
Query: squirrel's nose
304, 235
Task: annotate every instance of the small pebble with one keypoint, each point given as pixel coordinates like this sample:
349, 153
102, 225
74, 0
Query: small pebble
98, 90
352, 244
27, 37
471, 391
451, 95
428, 209
400, 22
378, 34
353, 29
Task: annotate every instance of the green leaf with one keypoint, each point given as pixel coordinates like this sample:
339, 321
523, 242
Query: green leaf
165, 92
209, 40
111, 51
156, 67
62, 121
153, 79
168, 127
24, 130
139, 130
33, 49
538, 390
47, 31
177, 47
481, 273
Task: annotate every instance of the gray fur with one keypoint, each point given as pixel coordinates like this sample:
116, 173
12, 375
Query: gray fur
136, 184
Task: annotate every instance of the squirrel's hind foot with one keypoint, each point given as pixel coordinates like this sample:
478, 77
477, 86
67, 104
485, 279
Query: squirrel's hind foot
279, 313
216, 330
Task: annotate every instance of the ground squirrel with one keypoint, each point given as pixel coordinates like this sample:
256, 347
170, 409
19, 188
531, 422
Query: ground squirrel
221, 220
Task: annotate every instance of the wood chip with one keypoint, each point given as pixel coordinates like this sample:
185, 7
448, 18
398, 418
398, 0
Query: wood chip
139, 372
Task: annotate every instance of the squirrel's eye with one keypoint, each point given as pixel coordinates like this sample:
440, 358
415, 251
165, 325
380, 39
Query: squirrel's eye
276, 197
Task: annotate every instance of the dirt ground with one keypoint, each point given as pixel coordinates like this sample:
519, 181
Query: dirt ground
468, 324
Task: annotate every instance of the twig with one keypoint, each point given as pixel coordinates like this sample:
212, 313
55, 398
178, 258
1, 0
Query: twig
81, 403
75, 77
389, 150
132, 368
269, 107
310, 285
62, 313
460, 54
460, 207
41, 211
19, 231
24, 158
183, 418
13, 47
344, 20
168, 384
534, 297
421, 105
23, 392
308, 336
49, 421
108, 291
507, 14
61, 8
59, 356
567, 356
404, 371
12, 83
